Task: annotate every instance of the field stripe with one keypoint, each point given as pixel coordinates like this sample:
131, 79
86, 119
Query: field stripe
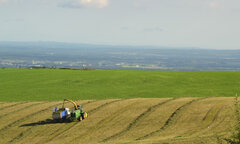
205, 126
173, 117
18, 110
12, 105
103, 105
139, 118
104, 121
18, 137
210, 110
191, 140
216, 109
27, 117
27, 131
62, 129
71, 125
215, 135
24, 133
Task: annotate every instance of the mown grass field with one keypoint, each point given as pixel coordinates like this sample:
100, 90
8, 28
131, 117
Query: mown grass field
124, 107
121, 121
54, 84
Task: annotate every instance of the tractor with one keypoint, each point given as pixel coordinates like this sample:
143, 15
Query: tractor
63, 114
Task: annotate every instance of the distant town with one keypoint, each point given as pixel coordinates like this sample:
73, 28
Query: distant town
84, 56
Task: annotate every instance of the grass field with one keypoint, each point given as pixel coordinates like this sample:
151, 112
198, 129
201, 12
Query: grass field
53, 84
121, 121
124, 107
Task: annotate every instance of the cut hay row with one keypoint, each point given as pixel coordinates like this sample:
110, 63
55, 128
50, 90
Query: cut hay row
190, 122
29, 113
181, 120
157, 118
17, 109
219, 120
118, 124
55, 129
208, 119
45, 117
136, 120
169, 120
103, 122
91, 111
9, 105
62, 129
17, 117
94, 118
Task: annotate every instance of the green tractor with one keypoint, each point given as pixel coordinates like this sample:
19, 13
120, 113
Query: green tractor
64, 114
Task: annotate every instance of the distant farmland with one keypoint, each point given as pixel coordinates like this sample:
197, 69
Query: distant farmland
55, 84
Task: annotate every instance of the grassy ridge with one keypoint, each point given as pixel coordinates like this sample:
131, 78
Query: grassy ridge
49, 84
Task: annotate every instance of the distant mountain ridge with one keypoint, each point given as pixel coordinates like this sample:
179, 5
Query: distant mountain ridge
53, 44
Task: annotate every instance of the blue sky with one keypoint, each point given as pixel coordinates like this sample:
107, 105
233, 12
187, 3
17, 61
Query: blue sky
176, 23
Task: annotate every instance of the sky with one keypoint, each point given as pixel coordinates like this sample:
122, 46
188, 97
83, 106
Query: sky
211, 24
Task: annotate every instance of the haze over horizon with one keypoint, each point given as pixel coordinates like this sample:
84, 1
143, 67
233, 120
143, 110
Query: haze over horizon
212, 24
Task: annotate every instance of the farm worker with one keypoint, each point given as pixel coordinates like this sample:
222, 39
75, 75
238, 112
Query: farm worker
80, 108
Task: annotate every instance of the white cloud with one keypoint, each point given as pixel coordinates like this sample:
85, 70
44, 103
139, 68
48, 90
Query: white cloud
3, 1
214, 5
86, 4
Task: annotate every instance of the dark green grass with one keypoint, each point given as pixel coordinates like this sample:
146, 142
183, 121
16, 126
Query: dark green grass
53, 84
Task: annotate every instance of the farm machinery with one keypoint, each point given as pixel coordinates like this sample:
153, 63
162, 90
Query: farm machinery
63, 114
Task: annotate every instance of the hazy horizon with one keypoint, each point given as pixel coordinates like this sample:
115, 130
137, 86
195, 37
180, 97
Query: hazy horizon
112, 45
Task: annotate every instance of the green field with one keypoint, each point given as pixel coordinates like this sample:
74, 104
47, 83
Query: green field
56, 84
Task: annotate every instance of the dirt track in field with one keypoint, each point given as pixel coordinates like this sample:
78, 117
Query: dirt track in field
163, 120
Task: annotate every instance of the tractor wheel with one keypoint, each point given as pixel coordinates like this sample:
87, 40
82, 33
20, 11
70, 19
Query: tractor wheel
85, 115
80, 118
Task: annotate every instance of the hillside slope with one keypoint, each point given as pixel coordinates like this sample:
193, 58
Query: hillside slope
55, 84
139, 120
